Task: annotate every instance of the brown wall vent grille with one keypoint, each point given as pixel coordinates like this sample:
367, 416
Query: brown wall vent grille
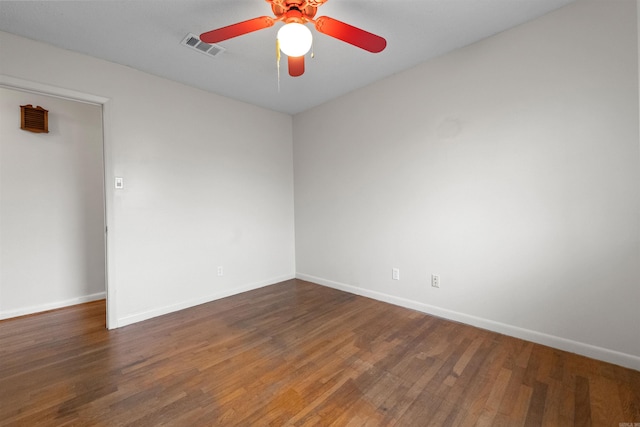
34, 119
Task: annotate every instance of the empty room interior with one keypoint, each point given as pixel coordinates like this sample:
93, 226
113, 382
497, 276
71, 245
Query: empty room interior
441, 230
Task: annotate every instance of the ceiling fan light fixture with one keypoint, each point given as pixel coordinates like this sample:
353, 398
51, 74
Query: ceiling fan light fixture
295, 39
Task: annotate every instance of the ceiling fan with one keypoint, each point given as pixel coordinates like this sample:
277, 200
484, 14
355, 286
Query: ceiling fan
294, 38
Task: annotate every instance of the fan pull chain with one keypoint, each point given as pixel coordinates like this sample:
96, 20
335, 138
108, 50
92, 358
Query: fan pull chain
278, 61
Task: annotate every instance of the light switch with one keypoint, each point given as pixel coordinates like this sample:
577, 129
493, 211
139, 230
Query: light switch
119, 183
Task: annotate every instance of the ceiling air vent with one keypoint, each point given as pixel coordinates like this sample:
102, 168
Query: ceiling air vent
194, 42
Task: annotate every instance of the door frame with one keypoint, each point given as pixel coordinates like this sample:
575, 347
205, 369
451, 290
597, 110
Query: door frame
107, 160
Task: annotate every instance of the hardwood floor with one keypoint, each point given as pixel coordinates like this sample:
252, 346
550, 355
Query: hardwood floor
296, 353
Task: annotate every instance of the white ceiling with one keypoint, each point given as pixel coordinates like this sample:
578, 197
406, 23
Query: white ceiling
147, 35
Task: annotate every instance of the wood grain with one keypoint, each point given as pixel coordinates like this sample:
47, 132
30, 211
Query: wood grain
296, 354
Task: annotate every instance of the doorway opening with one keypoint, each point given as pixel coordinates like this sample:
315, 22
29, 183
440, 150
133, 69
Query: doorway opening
55, 204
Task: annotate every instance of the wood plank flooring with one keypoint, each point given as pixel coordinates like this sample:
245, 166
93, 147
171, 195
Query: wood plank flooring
296, 353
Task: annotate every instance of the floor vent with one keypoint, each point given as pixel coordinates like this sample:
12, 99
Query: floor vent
194, 42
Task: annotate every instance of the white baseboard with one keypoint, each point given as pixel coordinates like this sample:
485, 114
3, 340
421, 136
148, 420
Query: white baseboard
51, 306
139, 317
604, 354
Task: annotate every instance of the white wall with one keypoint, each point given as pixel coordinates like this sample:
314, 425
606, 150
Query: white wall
510, 168
208, 182
51, 206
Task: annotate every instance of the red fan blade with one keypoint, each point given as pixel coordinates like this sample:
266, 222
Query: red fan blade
235, 30
296, 65
350, 34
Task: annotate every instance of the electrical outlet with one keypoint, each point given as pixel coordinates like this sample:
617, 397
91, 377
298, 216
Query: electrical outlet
395, 274
220, 271
435, 280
